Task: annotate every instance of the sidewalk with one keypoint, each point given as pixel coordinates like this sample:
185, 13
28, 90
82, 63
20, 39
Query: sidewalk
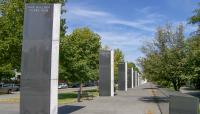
146, 99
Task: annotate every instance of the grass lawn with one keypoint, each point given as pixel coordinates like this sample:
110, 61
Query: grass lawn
66, 98
63, 98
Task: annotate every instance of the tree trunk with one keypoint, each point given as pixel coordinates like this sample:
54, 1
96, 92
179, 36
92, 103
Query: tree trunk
81, 88
97, 83
80, 92
175, 85
179, 84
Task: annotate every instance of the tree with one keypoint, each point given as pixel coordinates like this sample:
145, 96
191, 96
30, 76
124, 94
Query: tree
193, 52
132, 65
11, 32
79, 58
193, 61
165, 57
118, 57
195, 19
11, 21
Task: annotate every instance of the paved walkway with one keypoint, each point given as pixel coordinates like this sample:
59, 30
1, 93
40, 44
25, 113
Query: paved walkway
146, 99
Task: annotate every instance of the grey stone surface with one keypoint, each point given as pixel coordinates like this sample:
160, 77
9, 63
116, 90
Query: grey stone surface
138, 79
135, 78
40, 55
106, 73
122, 76
183, 104
134, 84
130, 78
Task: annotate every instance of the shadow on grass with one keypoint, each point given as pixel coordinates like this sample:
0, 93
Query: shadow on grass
67, 109
67, 95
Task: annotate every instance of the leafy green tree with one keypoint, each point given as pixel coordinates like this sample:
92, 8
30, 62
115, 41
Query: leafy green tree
193, 61
132, 65
195, 19
79, 57
165, 57
193, 52
11, 22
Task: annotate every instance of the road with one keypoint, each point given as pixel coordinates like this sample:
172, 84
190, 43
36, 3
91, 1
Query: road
146, 99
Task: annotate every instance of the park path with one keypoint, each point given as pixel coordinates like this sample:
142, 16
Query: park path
145, 99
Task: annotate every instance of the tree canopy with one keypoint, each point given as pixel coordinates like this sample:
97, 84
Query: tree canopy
165, 57
79, 58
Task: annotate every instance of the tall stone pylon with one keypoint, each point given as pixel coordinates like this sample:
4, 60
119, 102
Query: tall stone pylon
138, 78
135, 79
130, 78
122, 76
106, 73
40, 58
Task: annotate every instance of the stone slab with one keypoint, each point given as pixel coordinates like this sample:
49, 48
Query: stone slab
130, 78
122, 76
135, 78
181, 104
106, 73
40, 58
138, 79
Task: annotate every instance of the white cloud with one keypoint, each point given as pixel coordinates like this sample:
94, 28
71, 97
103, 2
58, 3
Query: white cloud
116, 32
128, 42
81, 13
78, 11
137, 24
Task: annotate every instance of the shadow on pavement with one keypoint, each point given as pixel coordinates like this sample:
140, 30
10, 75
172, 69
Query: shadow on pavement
154, 99
194, 94
158, 100
150, 88
189, 88
67, 109
191, 91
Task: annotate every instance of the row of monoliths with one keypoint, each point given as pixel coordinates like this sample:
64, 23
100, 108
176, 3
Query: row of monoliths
40, 60
127, 78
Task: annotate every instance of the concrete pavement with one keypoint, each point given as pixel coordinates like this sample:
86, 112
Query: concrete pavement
146, 99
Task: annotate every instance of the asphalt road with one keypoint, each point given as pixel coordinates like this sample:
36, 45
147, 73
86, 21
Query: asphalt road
146, 99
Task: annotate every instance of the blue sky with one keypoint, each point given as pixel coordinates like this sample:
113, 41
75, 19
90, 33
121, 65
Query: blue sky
127, 24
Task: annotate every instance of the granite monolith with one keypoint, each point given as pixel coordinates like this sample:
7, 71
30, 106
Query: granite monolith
183, 104
122, 76
106, 73
40, 56
130, 78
